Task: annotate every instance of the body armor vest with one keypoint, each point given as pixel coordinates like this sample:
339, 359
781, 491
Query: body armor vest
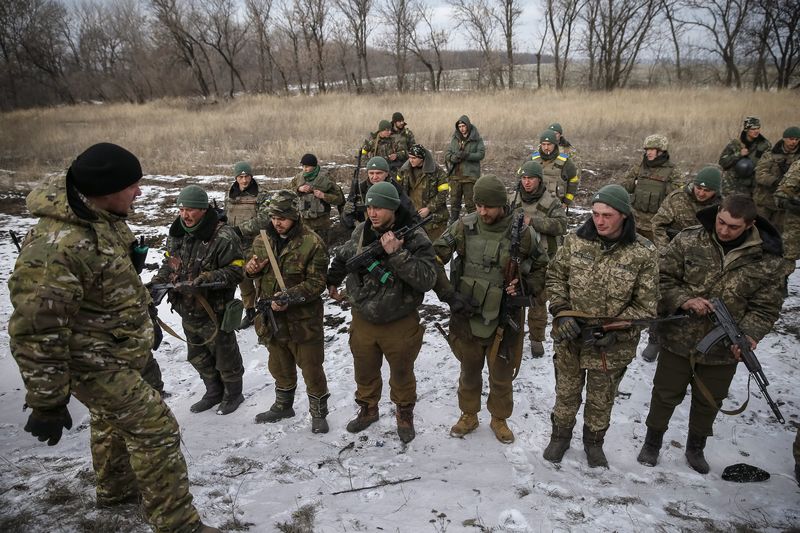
651, 188
241, 209
551, 173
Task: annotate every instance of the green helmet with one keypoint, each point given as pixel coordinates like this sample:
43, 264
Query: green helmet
659, 142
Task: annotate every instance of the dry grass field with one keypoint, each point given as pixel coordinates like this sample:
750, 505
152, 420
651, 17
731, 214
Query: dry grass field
186, 137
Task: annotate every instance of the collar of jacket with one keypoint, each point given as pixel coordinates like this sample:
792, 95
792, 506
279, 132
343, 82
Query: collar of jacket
402, 218
771, 239
659, 161
780, 148
743, 138
291, 234
588, 231
207, 226
251, 190
530, 197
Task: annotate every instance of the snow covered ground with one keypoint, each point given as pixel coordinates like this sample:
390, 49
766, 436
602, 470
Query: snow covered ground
281, 477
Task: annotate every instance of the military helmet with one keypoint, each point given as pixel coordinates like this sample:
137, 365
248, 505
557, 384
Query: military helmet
657, 141
744, 168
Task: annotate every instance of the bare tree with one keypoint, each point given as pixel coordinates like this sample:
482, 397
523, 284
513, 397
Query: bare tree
427, 43
782, 37
479, 22
313, 15
400, 17
356, 13
260, 14
507, 15
539, 56
671, 11
217, 27
561, 20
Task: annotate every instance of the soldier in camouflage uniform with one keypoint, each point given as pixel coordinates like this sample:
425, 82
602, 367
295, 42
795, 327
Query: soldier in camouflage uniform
378, 170
543, 212
650, 181
732, 255
385, 319
566, 147
298, 342
243, 203
81, 327
560, 175
384, 144
464, 155
317, 192
482, 242
426, 185
787, 197
404, 136
604, 269
740, 158
201, 249
769, 172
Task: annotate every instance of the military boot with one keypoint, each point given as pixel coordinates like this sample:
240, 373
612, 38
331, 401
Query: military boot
248, 318
318, 407
232, 398
650, 352
648, 455
501, 430
559, 443
467, 423
695, 444
282, 408
214, 393
593, 446
405, 423
537, 349
365, 418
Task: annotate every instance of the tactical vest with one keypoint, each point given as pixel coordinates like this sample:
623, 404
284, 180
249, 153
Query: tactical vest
543, 205
310, 206
651, 189
486, 254
552, 173
241, 209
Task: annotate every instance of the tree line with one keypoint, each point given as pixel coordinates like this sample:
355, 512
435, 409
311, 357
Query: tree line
56, 52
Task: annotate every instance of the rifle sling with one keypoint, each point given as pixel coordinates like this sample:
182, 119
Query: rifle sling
710, 399
273, 261
205, 305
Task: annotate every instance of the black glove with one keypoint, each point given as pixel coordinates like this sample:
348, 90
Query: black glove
158, 334
565, 328
47, 424
461, 304
455, 158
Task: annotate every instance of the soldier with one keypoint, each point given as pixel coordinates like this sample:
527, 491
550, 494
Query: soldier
732, 255
545, 214
378, 170
317, 192
384, 144
769, 172
560, 175
566, 147
425, 183
464, 154
479, 277
243, 203
604, 269
403, 134
385, 319
650, 181
201, 250
80, 327
787, 197
740, 157
301, 260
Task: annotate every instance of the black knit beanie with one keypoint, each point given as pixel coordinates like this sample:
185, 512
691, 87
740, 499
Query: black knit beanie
103, 169
309, 160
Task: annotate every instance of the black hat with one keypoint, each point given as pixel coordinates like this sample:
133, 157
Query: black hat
397, 116
104, 168
308, 160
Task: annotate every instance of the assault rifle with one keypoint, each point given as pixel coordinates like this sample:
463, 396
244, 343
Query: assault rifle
370, 258
159, 290
726, 330
591, 334
15, 240
264, 306
349, 220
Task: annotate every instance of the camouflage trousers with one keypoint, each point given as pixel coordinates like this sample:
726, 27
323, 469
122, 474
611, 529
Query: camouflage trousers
601, 389
135, 442
399, 342
537, 317
791, 236
151, 374
248, 289
285, 357
221, 357
673, 375
472, 352
320, 225
461, 187
732, 185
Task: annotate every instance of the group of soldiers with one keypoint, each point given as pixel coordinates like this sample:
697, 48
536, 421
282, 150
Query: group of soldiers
85, 325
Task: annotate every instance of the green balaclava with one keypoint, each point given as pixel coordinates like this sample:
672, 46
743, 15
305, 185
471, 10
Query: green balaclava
242, 167
709, 177
489, 191
193, 196
284, 204
383, 194
615, 196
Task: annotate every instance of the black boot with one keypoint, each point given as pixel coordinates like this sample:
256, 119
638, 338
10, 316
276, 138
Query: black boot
232, 398
593, 446
213, 395
365, 418
559, 443
695, 444
648, 455
405, 423
318, 406
248, 318
282, 408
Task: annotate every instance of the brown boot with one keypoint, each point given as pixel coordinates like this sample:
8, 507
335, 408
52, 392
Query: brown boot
537, 349
501, 430
405, 423
466, 424
364, 419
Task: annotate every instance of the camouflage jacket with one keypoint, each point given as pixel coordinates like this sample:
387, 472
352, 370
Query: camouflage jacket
405, 140
732, 153
375, 145
309, 205
771, 168
649, 183
746, 279
560, 175
213, 250
605, 281
677, 213
79, 305
413, 269
545, 215
302, 259
243, 206
566, 147
473, 151
426, 187
789, 187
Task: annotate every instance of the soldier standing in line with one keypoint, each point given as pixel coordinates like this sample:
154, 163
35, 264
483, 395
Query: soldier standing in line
378, 170
81, 327
787, 197
201, 249
544, 213
385, 320
298, 276
770, 170
560, 175
604, 269
403, 134
740, 158
317, 192
464, 154
487, 242
243, 203
384, 144
425, 183
566, 147
732, 255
